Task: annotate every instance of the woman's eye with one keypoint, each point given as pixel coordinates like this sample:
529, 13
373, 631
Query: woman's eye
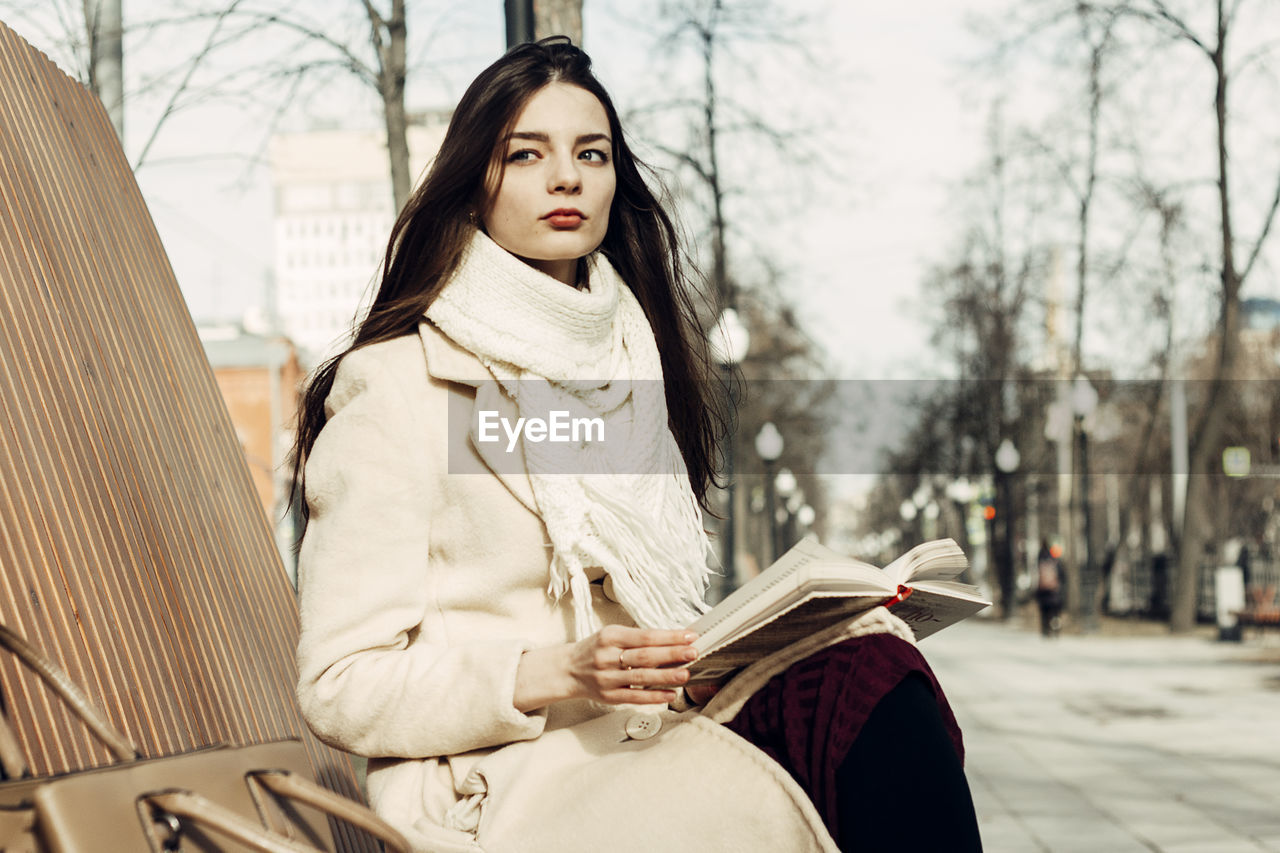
595, 155
522, 155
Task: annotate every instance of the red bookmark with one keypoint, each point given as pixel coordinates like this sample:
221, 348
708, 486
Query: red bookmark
904, 592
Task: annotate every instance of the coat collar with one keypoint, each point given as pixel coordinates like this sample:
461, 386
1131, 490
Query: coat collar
448, 361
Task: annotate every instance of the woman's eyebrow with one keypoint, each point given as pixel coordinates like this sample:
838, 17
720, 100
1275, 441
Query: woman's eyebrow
538, 136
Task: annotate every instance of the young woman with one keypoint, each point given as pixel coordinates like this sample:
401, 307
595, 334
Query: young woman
486, 613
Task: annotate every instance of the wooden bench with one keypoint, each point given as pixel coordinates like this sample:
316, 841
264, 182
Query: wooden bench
1262, 612
133, 547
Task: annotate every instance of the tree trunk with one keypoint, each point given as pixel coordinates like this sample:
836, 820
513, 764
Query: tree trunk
389, 36
1207, 437
558, 18
104, 29
1084, 561
719, 270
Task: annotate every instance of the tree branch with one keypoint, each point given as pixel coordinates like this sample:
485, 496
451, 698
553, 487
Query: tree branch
1253, 56
685, 158
1059, 163
1183, 31
1163, 15
376, 25
192, 65
1262, 236
1231, 13
271, 18
375, 19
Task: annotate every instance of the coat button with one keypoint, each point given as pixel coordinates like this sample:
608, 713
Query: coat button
643, 726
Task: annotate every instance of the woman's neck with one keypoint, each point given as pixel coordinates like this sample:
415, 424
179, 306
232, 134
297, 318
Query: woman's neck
570, 271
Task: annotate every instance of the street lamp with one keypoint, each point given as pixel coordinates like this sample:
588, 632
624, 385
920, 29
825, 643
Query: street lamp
794, 504
785, 486
1007, 457
1084, 399
728, 341
931, 512
785, 482
769, 447
961, 492
907, 509
1007, 460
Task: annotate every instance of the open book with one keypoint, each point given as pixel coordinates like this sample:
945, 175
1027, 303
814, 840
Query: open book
811, 587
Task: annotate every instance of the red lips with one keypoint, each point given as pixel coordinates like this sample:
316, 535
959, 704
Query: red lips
565, 217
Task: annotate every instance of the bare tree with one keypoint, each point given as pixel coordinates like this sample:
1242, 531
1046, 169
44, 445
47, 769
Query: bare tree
701, 128
381, 65
1151, 26
1206, 435
88, 39
378, 58
983, 293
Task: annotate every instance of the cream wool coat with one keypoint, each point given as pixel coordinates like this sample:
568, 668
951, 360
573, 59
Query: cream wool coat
422, 579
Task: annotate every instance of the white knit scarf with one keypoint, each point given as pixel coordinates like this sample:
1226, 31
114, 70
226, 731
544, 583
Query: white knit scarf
628, 509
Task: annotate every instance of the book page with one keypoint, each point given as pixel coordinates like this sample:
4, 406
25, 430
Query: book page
812, 587
939, 559
806, 617
775, 588
928, 611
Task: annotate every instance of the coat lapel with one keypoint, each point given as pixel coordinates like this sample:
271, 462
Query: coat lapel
450, 362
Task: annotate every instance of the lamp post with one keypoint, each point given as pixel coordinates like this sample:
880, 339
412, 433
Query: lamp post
784, 487
806, 516
1007, 460
729, 341
930, 513
961, 492
794, 504
1084, 399
769, 445
907, 511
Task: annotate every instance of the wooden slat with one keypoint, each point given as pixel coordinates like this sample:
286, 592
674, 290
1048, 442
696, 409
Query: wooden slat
132, 546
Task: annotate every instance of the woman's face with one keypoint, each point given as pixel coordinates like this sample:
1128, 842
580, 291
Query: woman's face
553, 194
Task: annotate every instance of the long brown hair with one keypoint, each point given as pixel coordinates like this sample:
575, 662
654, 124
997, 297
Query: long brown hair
437, 221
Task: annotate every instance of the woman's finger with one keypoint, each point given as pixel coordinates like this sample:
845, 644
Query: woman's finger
652, 656
643, 678
632, 638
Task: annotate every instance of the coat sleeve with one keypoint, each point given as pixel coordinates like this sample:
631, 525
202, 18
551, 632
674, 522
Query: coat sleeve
368, 683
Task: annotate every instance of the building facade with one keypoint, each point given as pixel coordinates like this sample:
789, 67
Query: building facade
260, 377
333, 215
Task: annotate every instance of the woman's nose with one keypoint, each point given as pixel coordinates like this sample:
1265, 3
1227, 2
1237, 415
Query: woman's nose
565, 176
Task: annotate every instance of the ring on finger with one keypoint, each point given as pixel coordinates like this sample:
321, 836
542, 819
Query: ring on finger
622, 664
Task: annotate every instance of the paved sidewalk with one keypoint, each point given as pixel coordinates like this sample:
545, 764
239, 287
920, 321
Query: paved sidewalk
1111, 744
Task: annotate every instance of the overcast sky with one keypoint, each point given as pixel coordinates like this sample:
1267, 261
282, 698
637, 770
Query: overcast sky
893, 82
853, 257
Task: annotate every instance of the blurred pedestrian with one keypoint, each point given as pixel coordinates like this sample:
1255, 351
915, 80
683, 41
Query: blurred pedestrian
1049, 583
502, 636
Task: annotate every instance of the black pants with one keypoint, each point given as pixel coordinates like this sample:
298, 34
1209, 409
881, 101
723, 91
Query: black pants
901, 786
1050, 611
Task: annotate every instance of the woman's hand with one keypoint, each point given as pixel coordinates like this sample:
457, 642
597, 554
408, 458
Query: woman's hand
616, 665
